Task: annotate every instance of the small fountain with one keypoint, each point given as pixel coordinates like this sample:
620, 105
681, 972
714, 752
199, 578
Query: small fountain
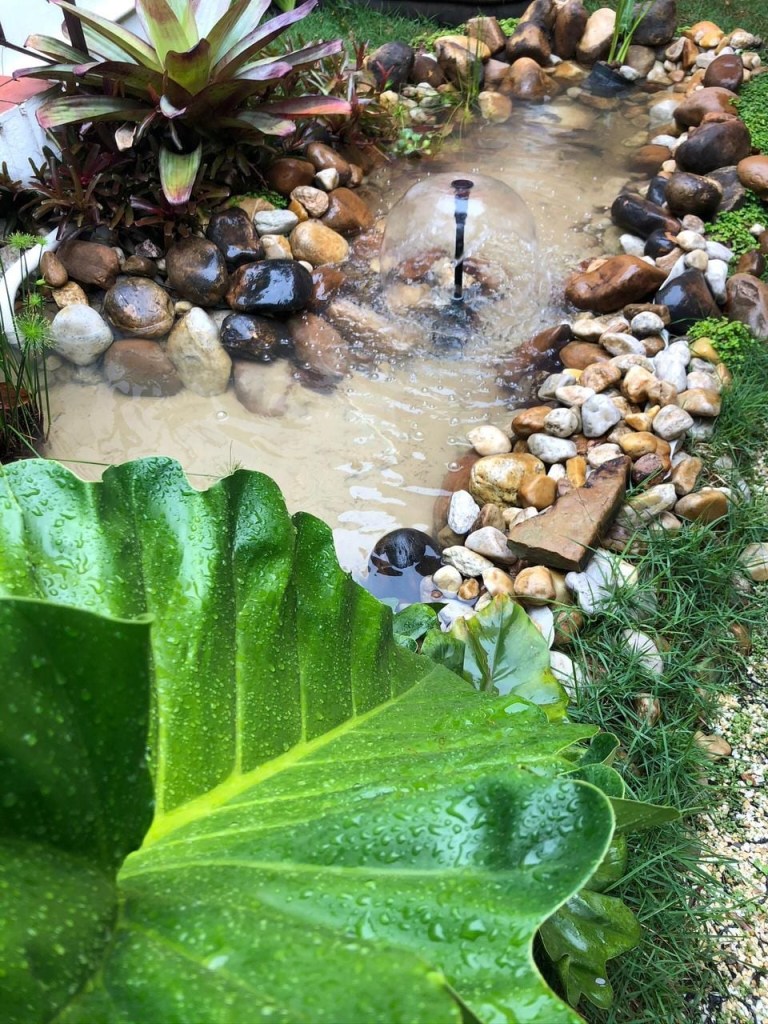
469, 243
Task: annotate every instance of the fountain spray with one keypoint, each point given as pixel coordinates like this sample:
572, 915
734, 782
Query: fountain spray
461, 188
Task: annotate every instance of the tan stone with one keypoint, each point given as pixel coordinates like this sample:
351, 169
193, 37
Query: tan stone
469, 590
568, 622
496, 581
636, 383
578, 355
704, 506
535, 586
70, 294
497, 478
754, 558
494, 106
715, 747
638, 443
564, 535
53, 270
639, 421
685, 475
705, 34
753, 174
701, 402
704, 349
600, 376
537, 491
318, 244
576, 471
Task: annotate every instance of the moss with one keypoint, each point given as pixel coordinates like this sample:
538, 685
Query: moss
732, 228
731, 339
752, 106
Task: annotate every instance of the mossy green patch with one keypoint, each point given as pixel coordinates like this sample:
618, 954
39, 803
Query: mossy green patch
733, 228
733, 340
752, 106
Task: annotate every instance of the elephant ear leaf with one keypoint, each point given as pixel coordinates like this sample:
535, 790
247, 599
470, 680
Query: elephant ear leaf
590, 929
77, 796
342, 829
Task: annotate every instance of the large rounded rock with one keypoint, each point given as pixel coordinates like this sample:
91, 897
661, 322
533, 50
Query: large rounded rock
753, 174
692, 193
318, 244
274, 287
233, 233
138, 306
596, 41
347, 213
658, 26
320, 350
391, 64
747, 301
616, 282
323, 157
197, 271
641, 217
714, 144
570, 22
89, 262
725, 72
260, 338
141, 368
527, 81
79, 334
688, 299
288, 173
496, 479
195, 350
700, 102
528, 40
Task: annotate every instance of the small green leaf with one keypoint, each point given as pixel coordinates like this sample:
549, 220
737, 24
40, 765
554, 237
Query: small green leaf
444, 649
602, 749
55, 113
414, 621
178, 172
634, 816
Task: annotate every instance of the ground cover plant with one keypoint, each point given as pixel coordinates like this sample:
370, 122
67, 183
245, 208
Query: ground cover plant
324, 820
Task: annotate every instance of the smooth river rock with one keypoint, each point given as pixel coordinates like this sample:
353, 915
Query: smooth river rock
233, 233
139, 307
141, 368
618, 281
263, 388
197, 271
320, 349
688, 299
496, 479
274, 287
89, 262
347, 212
693, 193
712, 145
562, 537
700, 102
260, 338
641, 217
79, 334
196, 352
747, 301
318, 244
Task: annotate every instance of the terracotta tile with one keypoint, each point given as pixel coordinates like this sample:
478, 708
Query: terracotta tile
17, 92
4, 79
5, 107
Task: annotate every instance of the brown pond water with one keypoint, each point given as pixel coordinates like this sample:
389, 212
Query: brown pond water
370, 455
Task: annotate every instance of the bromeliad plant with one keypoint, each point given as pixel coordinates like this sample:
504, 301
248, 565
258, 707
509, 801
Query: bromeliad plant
229, 795
205, 72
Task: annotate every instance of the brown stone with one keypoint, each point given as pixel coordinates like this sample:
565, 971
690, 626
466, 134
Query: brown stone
578, 355
53, 270
705, 34
490, 515
535, 586
140, 307
570, 22
488, 31
685, 475
70, 294
714, 100
460, 57
576, 470
638, 443
753, 174
197, 271
600, 376
317, 243
747, 301
596, 40
714, 145
527, 81
287, 173
320, 349
530, 421
648, 469
619, 280
704, 506
528, 40
693, 193
140, 266
564, 536
751, 263
326, 281
322, 157
426, 69
90, 263
134, 366
347, 213
648, 159
725, 72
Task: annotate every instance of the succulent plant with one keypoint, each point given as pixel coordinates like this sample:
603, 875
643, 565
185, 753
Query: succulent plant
204, 72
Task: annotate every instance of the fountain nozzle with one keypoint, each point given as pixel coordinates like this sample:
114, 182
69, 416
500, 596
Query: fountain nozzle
461, 188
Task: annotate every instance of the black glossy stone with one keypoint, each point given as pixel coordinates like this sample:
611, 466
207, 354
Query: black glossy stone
693, 193
659, 243
688, 299
399, 562
197, 271
657, 189
233, 234
734, 193
712, 145
641, 217
603, 80
245, 336
272, 287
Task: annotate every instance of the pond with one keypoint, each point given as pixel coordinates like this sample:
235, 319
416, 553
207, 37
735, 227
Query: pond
370, 454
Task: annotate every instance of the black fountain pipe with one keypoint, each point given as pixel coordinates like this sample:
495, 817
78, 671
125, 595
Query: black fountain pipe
461, 188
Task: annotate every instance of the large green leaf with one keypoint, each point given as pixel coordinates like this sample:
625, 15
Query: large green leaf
127, 43
505, 653
343, 830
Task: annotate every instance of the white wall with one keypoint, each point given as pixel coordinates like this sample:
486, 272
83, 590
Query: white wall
20, 18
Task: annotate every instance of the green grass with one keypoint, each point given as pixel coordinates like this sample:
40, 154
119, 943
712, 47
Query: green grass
356, 23
753, 108
728, 14
732, 228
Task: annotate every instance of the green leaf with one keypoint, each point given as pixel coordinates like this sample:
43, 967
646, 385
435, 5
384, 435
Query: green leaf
169, 25
56, 48
505, 653
76, 793
127, 42
178, 172
590, 929
602, 749
444, 649
246, 47
342, 830
414, 621
308, 106
239, 20
634, 816
63, 110
191, 69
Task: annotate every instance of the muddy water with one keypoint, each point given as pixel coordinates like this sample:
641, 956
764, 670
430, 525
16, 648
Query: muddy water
370, 455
